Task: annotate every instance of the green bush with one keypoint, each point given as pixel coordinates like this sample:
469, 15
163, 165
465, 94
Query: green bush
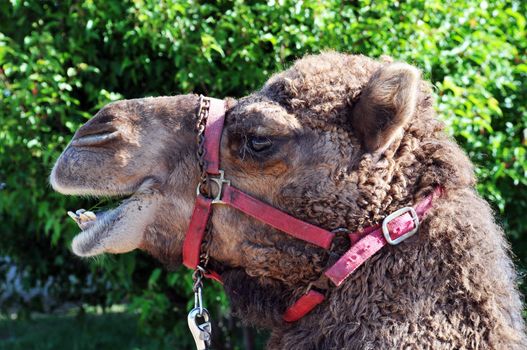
62, 60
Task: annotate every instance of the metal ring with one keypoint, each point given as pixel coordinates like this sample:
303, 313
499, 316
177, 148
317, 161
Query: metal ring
336, 232
340, 230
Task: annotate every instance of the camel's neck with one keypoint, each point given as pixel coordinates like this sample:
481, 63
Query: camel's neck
450, 287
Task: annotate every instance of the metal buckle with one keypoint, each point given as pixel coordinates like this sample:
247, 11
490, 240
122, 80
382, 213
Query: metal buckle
394, 215
219, 181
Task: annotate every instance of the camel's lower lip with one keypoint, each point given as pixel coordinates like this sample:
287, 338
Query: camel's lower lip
96, 227
119, 229
93, 233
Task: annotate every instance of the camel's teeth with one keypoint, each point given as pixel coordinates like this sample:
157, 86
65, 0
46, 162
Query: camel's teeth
91, 215
87, 216
74, 216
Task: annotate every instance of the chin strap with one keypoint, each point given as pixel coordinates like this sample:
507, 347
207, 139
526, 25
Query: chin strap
394, 229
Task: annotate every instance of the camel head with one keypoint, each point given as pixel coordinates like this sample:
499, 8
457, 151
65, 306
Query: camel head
305, 143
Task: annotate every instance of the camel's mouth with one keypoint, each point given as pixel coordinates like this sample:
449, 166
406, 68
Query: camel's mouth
117, 230
94, 228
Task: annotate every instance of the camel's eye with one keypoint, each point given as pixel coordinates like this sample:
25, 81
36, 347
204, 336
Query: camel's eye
258, 143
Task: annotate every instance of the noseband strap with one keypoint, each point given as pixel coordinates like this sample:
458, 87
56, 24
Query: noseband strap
395, 228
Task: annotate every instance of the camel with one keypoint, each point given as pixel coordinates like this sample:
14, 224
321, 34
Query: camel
338, 141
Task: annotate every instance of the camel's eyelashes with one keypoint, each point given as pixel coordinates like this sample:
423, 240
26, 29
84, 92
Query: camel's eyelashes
259, 144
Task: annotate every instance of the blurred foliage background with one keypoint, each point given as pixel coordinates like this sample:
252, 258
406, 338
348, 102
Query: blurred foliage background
60, 61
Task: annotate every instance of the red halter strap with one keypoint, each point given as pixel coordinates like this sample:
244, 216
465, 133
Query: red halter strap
395, 228
235, 198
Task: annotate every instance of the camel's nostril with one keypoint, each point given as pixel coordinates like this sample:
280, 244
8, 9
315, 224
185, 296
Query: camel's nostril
95, 126
95, 139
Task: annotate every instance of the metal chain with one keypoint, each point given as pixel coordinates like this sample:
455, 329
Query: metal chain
197, 287
203, 114
205, 246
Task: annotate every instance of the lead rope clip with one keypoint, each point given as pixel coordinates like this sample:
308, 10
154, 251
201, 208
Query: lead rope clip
199, 318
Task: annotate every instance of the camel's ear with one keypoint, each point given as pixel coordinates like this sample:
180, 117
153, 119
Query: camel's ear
386, 104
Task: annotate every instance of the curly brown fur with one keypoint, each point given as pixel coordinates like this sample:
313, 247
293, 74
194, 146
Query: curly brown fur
260, 305
352, 140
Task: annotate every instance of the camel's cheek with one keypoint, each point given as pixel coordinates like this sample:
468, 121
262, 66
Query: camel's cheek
230, 227
128, 236
165, 234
